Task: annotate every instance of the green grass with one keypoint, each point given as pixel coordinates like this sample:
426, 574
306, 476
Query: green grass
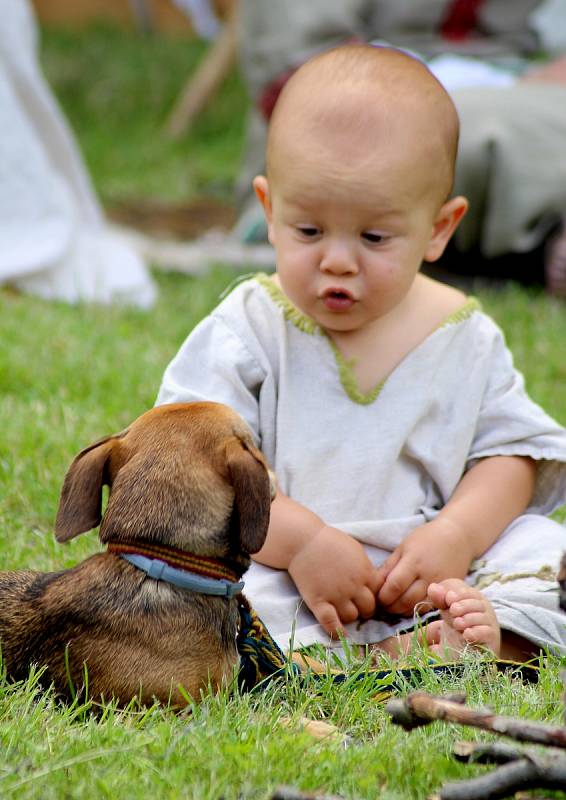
70, 375
117, 90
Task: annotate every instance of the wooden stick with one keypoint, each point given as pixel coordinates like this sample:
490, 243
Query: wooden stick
493, 753
143, 15
531, 771
202, 85
419, 708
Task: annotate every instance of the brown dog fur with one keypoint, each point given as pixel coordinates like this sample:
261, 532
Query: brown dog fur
186, 475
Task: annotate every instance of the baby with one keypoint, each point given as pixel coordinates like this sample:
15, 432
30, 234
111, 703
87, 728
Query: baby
414, 472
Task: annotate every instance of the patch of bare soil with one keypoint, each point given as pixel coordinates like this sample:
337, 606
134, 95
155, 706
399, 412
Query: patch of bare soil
183, 221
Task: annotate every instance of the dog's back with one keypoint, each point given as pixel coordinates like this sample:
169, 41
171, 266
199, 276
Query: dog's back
185, 479
135, 636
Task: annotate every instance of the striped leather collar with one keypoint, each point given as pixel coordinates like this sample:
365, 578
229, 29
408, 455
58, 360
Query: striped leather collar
201, 574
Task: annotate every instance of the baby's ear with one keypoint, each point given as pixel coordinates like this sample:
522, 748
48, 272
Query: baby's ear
445, 223
261, 188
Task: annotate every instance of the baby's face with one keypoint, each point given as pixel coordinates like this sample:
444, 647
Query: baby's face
350, 232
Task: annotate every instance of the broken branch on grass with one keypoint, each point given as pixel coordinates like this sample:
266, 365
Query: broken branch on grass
529, 770
479, 753
419, 708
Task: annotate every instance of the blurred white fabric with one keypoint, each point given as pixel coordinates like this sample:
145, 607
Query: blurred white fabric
54, 241
459, 72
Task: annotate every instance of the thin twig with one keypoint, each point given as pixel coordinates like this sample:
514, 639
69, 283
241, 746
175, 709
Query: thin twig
419, 708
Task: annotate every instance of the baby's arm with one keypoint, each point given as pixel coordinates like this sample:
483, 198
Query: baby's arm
331, 570
489, 497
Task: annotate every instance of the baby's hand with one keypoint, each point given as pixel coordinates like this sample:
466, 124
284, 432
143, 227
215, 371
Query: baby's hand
336, 579
430, 554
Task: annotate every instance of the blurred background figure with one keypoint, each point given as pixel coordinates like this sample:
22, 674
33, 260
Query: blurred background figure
504, 64
54, 241
203, 17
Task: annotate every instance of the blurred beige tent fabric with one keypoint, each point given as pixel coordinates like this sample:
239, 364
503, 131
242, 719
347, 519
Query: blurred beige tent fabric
54, 241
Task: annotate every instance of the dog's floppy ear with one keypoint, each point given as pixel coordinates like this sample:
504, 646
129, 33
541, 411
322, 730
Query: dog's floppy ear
252, 496
80, 504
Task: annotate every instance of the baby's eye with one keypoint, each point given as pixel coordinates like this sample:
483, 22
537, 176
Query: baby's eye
372, 237
309, 231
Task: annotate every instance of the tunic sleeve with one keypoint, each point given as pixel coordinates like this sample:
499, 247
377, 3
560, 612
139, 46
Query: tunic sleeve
511, 424
215, 364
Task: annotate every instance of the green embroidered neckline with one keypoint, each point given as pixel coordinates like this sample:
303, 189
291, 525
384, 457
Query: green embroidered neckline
292, 313
346, 366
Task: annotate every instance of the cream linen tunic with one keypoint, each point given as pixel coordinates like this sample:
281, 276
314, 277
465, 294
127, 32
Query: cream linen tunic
377, 465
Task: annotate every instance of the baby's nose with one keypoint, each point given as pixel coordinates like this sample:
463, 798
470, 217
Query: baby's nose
338, 258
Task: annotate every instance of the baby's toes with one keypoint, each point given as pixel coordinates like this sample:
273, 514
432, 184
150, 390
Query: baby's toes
432, 632
481, 635
460, 591
444, 592
473, 619
467, 605
436, 594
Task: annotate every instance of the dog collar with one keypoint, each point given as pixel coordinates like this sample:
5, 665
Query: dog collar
210, 576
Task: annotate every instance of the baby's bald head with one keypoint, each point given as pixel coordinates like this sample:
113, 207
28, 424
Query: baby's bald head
358, 100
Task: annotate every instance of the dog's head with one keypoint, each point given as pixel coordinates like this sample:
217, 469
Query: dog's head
186, 475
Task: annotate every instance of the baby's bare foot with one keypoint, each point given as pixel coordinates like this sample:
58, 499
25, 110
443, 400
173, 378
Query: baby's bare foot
468, 619
395, 646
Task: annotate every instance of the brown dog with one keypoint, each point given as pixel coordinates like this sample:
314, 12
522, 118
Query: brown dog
189, 495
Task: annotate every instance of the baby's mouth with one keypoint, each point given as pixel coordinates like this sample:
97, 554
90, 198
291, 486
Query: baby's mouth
337, 299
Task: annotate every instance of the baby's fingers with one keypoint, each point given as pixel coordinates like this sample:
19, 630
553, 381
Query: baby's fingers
365, 602
384, 569
397, 582
328, 618
407, 603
